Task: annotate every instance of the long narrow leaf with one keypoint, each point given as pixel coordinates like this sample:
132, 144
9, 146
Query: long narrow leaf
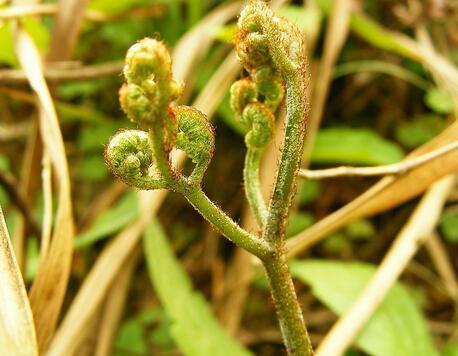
194, 327
17, 332
396, 329
190, 48
389, 192
48, 290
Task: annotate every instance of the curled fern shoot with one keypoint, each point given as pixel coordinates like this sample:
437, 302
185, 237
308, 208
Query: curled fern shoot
273, 53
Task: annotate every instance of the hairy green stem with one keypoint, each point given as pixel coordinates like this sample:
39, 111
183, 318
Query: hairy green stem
224, 224
252, 185
285, 183
283, 293
214, 215
160, 154
287, 52
289, 312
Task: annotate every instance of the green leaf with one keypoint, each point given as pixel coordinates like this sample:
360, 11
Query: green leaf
378, 36
397, 328
4, 167
309, 190
115, 7
136, 337
226, 33
299, 222
420, 130
38, 32
306, 19
360, 230
93, 137
3, 197
32, 259
131, 338
450, 350
92, 168
82, 88
439, 100
110, 221
337, 243
35, 29
80, 113
449, 225
194, 327
7, 54
382, 67
196, 9
345, 145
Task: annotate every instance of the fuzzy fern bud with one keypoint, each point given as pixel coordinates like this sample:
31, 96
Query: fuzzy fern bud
128, 156
135, 104
146, 60
196, 138
242, 92
148, 71
260, 32
260, 119
147, 98
252, 49
269, 85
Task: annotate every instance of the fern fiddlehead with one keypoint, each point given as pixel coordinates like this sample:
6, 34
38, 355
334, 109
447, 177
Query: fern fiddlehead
271, 50
141, 158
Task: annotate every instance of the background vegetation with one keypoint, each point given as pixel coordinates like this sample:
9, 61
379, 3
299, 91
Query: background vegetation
111, 271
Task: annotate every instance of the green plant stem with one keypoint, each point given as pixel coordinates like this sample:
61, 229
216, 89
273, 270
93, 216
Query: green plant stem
200, 201
160, 154
290, 315
223, 223
297, 112
252, 185
288, 310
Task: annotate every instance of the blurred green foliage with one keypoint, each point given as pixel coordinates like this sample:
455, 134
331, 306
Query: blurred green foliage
420, 130
110, 220
193, 325
397, 328
357, 146
90, 114
449, 224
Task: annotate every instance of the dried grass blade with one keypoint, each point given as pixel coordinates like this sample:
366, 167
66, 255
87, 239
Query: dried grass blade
116, 253
17, 331
443, 264
336, 35
47, 202
114, 307
65, 31
101, 276
414, 233
443, 71
48, 290
386, 194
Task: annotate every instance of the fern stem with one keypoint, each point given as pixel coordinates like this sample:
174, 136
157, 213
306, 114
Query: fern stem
224, 224
252, 185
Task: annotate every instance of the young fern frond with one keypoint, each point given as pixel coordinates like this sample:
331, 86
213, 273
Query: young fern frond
147, 99
280, 44
142, 158
254, 101
196, 138
271, 50
128, 155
